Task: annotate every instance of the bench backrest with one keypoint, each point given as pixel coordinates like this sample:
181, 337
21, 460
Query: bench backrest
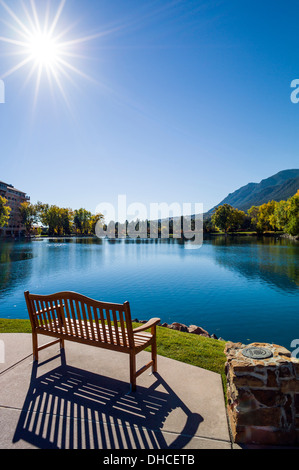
86, 318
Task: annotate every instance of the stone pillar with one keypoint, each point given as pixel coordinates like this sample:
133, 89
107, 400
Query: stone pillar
263, 396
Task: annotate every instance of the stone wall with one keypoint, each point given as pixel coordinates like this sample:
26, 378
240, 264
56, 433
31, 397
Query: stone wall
263, 396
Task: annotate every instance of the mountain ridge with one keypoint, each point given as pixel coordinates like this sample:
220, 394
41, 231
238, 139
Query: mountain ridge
278, 187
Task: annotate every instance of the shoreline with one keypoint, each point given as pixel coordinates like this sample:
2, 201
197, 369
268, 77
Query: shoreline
206, 236
192, 329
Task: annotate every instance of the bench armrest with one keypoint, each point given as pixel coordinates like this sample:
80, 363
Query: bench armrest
145, 326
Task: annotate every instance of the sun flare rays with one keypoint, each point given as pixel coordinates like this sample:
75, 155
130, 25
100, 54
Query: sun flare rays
41, 46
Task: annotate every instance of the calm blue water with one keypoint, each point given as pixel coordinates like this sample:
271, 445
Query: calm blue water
240, 289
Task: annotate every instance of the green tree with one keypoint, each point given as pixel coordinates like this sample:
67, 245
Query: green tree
5, 211
227, 218
50, 217
28, 215
54, 220
82, 221
237, 220
66, 221
292, 226
58, 220
208, 225
253, 213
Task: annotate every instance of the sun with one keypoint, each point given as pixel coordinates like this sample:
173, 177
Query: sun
39, 42
44, 50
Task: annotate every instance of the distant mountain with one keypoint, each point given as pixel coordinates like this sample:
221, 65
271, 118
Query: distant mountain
276, 188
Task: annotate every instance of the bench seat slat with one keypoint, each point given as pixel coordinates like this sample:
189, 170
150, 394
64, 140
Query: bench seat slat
90, 333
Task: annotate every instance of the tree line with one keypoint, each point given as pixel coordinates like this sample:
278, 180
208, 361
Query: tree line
271, 216
57, 221
53, 220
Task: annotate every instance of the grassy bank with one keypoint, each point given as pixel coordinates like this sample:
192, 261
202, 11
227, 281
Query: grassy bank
192, 349
250, 234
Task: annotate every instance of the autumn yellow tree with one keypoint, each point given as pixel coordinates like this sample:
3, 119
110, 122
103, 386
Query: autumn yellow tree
282, 215
4, 212
266, 219
292, 226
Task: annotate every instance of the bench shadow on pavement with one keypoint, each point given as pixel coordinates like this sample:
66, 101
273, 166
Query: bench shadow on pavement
70, 408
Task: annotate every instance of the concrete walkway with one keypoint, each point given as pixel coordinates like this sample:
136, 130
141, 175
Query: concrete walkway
81, 400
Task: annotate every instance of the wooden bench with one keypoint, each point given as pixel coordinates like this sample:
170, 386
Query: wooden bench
75, 317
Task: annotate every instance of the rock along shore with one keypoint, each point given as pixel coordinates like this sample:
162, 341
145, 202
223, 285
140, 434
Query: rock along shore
193, 329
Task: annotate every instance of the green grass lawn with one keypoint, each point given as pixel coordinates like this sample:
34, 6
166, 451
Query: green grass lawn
199, 351
14, 326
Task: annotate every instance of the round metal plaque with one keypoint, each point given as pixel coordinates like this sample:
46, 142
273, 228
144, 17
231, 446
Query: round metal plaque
257, 353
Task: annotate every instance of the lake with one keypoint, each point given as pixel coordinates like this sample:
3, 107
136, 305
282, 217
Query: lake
239, 288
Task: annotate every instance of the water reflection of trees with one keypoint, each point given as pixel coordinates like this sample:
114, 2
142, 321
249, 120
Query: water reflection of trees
274, 261
11, 270
112, 241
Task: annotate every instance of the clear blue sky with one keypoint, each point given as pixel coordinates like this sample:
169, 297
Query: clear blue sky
189, 100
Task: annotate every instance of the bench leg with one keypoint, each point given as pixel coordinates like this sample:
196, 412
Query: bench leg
154, 357
35, 347
154, 350
133, 372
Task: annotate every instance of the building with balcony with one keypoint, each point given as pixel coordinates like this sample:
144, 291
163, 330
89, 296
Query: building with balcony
14, 199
